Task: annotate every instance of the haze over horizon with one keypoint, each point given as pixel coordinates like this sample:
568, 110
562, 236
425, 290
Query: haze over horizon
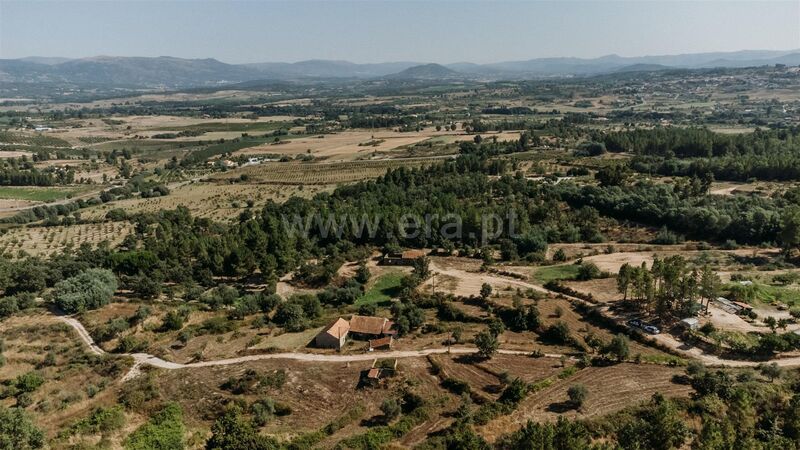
382, 31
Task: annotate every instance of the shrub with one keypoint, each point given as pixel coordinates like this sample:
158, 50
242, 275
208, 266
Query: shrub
101, 420
577, 394
588, 271
558, 333
28, 382
232, 431
262, 411
173, 321
456, 386
88, 290
390, 409
17, 430
164, 430
667, 237
618, 347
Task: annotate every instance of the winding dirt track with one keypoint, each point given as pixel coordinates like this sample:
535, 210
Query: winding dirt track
141, 359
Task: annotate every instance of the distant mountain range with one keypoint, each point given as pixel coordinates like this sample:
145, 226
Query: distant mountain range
171, 72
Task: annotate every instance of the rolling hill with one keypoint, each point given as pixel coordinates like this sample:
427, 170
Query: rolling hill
171, 72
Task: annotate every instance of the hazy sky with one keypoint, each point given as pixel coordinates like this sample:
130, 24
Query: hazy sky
374, 31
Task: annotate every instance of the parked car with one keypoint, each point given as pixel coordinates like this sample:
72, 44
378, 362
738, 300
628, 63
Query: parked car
635, 323
651, 329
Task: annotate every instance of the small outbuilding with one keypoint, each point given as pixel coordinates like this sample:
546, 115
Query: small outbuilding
690, 323
384, 343
405, 258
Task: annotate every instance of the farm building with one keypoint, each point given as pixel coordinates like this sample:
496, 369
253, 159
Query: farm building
405, 258
334, 335
690, 323
369, 327
379, 370
727, 305
384, 343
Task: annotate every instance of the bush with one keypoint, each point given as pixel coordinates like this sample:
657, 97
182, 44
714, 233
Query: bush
173, 321
558, 333
667, 237
232, 431
456, 386
618, 347
88, 290
28, 382
577, 394
588, 271
262, 411
101, 420
130, 344
390, 409
17, 431
164, 430
291, 316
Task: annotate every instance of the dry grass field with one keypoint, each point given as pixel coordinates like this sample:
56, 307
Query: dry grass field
610, 389
317, 393
362, 144
344, 146
318, 173
74, 384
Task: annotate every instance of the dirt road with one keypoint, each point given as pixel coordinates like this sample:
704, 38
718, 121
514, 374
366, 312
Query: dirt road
141, 359
466, 281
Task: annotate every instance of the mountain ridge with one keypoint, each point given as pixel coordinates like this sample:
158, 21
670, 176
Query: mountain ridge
168, 71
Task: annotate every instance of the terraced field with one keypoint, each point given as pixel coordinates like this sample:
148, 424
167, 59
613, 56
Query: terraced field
324, 173
610, 389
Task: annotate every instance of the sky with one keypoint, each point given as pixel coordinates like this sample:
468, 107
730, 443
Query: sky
443, 31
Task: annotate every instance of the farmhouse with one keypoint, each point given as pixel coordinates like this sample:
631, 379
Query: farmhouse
374, 329
369, 327
405, 258
334, 335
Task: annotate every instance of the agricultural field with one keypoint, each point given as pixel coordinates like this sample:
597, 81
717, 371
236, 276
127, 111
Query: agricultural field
610, 389
213, 200
623, 258
37, 194
302, 174
51, 240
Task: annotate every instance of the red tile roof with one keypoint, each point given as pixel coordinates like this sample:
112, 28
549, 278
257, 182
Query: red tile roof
367, 325
337, 328
382, 342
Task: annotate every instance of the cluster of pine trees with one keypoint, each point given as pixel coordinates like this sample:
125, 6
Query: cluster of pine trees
671, 287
